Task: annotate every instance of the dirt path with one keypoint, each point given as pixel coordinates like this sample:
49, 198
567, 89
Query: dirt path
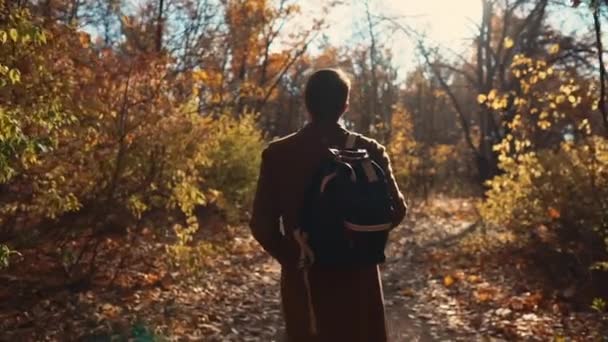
405, 281
237, 298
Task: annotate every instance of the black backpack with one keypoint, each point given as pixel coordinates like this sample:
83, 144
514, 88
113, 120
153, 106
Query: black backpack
346, 215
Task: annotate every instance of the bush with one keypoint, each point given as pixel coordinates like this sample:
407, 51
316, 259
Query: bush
555, 171
421, 168
557, 202
553, 192
235, 154
109, 145
232, 152
567, 187
403, 150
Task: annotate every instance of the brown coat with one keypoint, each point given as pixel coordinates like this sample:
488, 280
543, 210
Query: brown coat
348, 304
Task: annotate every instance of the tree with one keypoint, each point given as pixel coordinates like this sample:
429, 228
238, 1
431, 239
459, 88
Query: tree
506, 28
596, 6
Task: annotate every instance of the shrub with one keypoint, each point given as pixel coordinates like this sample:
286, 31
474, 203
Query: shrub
403, 150
106, 146
567, 187
421, 168
555, 170
235, 155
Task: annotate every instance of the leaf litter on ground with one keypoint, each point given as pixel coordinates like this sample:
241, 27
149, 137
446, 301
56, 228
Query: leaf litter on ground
433, 292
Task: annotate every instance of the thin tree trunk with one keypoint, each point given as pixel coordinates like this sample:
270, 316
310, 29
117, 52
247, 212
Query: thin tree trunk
487, 162
74, 11
444, 85
600, 57
159, 26
121, 132
372, 66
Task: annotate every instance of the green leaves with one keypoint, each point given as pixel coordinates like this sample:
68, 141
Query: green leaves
599, 305
34, 34
41, 37
13, 34
5, 254
14, 76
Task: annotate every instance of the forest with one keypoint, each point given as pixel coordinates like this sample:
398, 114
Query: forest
131, 134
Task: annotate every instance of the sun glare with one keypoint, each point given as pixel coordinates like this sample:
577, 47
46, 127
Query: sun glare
446, 23
443, 20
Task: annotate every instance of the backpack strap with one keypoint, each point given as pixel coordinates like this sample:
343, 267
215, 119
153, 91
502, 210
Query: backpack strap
307, 258
351, 139
370, 173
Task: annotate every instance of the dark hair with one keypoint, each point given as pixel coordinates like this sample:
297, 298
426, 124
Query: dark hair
326, 94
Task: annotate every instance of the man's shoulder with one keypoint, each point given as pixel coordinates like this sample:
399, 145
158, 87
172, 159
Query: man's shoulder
279, 145
368, 143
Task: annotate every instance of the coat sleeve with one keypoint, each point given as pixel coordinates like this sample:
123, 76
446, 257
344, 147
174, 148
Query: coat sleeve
399, 205
265, 218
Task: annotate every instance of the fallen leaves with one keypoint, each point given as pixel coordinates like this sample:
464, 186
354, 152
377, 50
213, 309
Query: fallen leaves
554, 213
408, 292
462, 299
237, 300
468, 294
484, 294
473, 279
448, 281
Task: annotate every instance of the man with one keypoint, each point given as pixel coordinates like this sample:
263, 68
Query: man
345, 305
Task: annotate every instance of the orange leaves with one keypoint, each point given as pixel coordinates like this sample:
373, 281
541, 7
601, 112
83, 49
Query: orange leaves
473, 279
85, 39
448, 281
200, 76
553, 213
460, 276
484, 294
151, 278
211, 80
109, 311
526, 302
407, 292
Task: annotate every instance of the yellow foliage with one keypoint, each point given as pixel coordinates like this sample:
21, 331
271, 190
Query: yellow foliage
554, 49
402, 147
539, 187
234, 152
564, 188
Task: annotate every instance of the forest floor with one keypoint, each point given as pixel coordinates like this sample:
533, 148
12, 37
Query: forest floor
437, 288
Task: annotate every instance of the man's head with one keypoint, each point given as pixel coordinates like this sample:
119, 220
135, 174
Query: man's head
326, 95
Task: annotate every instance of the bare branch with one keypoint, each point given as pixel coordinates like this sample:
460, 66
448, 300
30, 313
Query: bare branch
444, 85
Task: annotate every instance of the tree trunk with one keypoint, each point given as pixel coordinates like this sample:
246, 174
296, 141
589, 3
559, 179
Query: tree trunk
372, 66
159, 26
600, 58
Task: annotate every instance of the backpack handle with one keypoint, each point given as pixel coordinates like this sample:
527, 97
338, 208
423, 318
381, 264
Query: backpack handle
351, 139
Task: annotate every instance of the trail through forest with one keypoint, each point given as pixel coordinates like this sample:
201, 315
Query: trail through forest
250, 308
124, 128
433, 292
